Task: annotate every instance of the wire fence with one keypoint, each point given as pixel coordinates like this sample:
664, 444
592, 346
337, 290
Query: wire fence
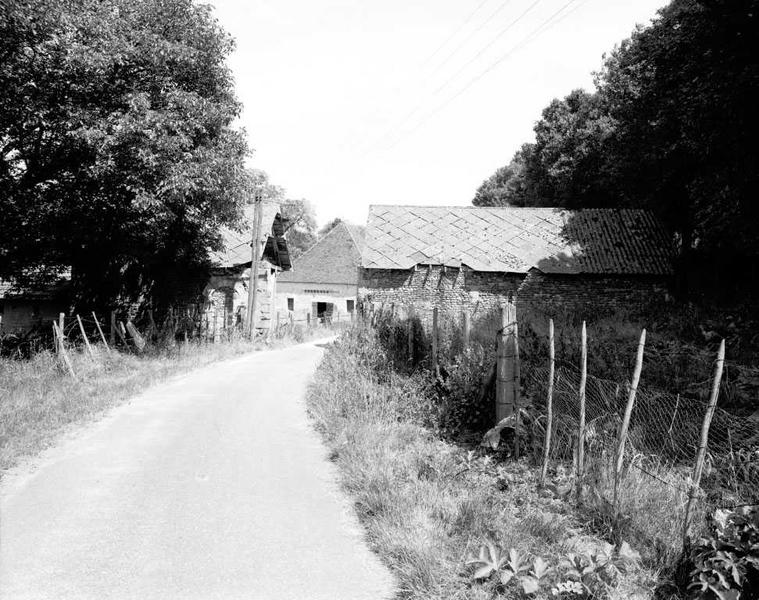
654, 487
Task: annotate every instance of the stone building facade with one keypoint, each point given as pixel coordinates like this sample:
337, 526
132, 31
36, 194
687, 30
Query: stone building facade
323, 282
226, 293
586, 263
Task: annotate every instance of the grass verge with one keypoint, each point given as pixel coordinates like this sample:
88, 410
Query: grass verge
428, 504
38, 400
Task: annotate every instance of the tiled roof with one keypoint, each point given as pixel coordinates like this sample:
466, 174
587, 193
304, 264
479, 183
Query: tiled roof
236, 244
333, 259
514, 239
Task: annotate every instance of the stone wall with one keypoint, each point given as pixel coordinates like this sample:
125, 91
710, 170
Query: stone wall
454, 290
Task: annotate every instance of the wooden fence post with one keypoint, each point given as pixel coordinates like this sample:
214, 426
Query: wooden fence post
112, 332
581, 427
517, 385
121, 330
549, 404
100, 331
308, 320
410, 336
62, 352
626, 419
435, 341
84, 336
137, 338
505, 395
699, 467
467, 328
62, 324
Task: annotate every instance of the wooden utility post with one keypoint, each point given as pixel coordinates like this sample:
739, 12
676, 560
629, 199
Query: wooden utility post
505, 388
255, 257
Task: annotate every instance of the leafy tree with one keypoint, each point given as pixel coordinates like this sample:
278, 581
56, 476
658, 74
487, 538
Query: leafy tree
508, 185
329, 226
672, 127
301, 226
684, 93
117, 155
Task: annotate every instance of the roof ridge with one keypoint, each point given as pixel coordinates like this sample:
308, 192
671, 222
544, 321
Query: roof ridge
320, 240
350, 233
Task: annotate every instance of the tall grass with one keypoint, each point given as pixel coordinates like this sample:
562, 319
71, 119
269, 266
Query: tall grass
427, 503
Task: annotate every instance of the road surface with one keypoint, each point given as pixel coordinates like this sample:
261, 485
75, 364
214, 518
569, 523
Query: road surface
212, 485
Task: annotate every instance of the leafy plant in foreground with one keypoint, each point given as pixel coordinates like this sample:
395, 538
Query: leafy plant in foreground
726, 564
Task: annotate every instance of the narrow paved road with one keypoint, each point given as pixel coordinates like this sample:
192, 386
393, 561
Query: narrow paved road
210, 486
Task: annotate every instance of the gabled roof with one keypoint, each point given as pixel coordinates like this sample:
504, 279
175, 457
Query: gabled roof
236, 244
515, 239
333, 259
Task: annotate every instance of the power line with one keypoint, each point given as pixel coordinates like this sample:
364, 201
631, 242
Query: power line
487, 47
455, 33
535, 33
472, 34
500, 34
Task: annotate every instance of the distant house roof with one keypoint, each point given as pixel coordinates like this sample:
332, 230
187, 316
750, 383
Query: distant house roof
514, 239
333, 259
236, 244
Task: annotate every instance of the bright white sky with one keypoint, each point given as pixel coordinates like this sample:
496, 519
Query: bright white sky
346, 105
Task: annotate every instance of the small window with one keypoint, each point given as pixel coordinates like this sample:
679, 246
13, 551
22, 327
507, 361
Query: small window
291, 304
351, 305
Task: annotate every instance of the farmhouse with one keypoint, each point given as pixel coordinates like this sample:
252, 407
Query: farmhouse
324, 280
587, 262
226, 292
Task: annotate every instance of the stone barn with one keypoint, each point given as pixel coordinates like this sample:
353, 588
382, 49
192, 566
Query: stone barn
226, 292
324, 280
587, 262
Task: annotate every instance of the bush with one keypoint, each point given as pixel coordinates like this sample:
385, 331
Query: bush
726, 563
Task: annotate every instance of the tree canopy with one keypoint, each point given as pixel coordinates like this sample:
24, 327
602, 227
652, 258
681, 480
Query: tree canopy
671, 127
118, 158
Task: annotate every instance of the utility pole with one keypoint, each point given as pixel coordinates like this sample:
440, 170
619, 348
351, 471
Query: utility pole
255, 258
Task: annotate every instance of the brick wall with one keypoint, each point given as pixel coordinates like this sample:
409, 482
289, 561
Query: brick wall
453, 290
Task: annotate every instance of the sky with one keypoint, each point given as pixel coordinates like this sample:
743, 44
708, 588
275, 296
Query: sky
349, 103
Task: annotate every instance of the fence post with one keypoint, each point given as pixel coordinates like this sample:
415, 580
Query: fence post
517, 384
435, 340
410, 336
62, 352
112, 332
581, 427
698, 469
549, 403
84, 336
121, 330
626, 419
100, 331
467, 328
505, 395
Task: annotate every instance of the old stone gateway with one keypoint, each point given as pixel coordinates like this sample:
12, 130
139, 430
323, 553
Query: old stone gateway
586, 262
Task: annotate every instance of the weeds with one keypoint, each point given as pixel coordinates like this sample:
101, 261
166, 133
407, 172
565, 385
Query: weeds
426, 502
